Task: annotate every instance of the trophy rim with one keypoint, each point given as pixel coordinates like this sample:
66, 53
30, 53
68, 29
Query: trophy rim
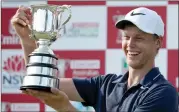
45, 5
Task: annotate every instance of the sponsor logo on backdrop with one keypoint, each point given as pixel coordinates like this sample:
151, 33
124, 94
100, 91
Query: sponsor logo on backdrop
82, 29
80, 64
79, 68
6, 107
63, 66
12, 38
119, 32
21, 103
19, 107
124, 66
114, 35
25, 107
87, 68
13, 72
9, 38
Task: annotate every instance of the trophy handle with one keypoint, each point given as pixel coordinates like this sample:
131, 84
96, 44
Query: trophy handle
31, 35
63, 8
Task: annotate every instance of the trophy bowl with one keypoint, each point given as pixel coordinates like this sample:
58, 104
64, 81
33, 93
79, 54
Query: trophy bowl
42, 71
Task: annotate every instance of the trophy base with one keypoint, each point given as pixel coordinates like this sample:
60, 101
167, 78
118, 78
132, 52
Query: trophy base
40, 83
39, 88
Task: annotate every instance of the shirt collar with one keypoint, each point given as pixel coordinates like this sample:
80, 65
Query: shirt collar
152, 75
121, 78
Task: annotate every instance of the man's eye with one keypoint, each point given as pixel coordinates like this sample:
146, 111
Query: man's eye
126, 37
139, 38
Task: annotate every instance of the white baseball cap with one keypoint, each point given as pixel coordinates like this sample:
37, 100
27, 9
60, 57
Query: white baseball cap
145, 19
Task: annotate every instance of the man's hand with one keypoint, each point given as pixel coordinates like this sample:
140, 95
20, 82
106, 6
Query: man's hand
58, 100
21, 20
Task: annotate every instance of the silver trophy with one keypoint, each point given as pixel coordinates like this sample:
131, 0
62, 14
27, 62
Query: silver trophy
42, 70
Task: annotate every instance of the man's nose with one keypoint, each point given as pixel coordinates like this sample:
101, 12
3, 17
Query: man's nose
131, 42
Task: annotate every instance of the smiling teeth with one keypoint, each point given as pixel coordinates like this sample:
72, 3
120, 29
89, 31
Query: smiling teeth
133, 53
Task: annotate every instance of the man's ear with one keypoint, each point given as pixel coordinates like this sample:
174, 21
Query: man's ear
159, 42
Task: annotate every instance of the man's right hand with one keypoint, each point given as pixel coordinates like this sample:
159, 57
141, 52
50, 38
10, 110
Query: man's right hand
21, 20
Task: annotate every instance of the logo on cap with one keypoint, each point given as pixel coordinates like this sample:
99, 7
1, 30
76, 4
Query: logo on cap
134, 14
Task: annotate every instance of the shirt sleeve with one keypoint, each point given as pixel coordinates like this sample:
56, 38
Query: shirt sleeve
88, 88
161, 99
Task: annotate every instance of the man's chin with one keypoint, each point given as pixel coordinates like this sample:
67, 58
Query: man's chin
135, 65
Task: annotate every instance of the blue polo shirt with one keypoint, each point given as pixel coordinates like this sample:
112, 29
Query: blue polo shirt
108, 93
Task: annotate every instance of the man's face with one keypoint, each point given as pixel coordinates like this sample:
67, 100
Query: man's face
140, 48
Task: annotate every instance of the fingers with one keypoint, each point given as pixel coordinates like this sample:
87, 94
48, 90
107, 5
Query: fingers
29, 92
44, 95
55, 91
36, 93
19, 21
21, 17
58, 93
26, 11
40, 94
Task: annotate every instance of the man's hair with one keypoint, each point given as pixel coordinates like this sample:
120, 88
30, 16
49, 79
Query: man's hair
155, 36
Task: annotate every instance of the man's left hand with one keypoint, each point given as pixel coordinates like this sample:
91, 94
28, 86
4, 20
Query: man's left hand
57, 99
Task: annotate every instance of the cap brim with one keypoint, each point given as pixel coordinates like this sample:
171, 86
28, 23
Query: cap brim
122, 23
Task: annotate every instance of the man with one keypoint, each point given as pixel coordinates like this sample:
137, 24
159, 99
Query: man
142, 89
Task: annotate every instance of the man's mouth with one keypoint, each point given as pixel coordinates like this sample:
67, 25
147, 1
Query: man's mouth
132, 53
